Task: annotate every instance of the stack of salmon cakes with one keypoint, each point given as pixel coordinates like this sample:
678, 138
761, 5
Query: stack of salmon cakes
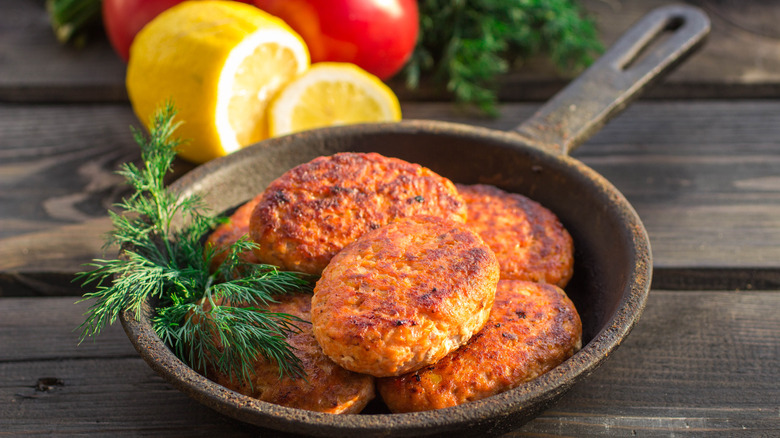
433, 293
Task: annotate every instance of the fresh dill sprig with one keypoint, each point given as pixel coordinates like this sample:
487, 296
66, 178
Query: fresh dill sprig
467, 44
211, 320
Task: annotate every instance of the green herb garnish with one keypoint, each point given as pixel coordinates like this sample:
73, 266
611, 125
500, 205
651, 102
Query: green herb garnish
70, 19
196, 315
467, 44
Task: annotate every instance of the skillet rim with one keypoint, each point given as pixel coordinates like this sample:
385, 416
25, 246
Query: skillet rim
524, 401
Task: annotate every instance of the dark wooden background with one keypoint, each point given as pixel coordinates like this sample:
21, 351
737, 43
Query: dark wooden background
698, 157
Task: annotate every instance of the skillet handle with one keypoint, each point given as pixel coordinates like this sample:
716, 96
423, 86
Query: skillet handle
663, 37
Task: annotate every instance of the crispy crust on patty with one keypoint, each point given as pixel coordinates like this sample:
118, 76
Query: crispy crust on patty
528, 239
533, 328
327, 388
312, 211
229, 232
404, 295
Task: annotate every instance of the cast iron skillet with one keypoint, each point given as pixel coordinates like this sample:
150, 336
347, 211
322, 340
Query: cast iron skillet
613, 262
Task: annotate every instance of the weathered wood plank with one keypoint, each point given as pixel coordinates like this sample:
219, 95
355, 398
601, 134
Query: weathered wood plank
703, 363
35, 67
741, 56
702, 175
741, 59
111, 397
46, 329
697, 363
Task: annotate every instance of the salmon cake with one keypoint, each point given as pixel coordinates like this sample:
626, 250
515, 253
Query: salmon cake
528, 239
404, 295
314, 210
533, 327
327, 387
230, 232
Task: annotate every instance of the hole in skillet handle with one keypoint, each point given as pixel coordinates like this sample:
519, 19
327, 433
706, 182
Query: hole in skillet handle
673, 24
649, 49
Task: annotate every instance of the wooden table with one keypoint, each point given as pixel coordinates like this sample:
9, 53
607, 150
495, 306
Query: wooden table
699, 158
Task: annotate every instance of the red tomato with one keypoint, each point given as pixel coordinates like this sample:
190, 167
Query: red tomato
123, 19
377, 35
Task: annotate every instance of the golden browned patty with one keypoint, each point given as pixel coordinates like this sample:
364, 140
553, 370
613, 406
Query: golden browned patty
533, 328
404, 295
228, 233
528, 239
327, 387
311, 212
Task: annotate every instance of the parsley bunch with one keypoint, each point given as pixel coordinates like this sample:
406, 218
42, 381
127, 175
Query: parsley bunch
467, 44
71, 19
195, 315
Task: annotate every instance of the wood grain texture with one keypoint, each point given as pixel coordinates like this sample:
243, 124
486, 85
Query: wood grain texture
704, 177
34, 67
697, 362
741, 59
703, 363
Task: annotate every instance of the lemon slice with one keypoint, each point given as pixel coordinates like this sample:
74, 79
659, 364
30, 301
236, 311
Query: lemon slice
332, 93
220, 63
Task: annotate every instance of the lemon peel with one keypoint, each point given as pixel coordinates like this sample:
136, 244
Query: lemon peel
220, 63
332, 93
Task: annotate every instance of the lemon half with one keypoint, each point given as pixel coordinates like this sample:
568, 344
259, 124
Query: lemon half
220, 63
332, 93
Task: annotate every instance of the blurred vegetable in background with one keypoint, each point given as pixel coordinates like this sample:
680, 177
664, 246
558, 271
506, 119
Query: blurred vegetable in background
376, 35
70, 19
463, 46
466, 44
121, 19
